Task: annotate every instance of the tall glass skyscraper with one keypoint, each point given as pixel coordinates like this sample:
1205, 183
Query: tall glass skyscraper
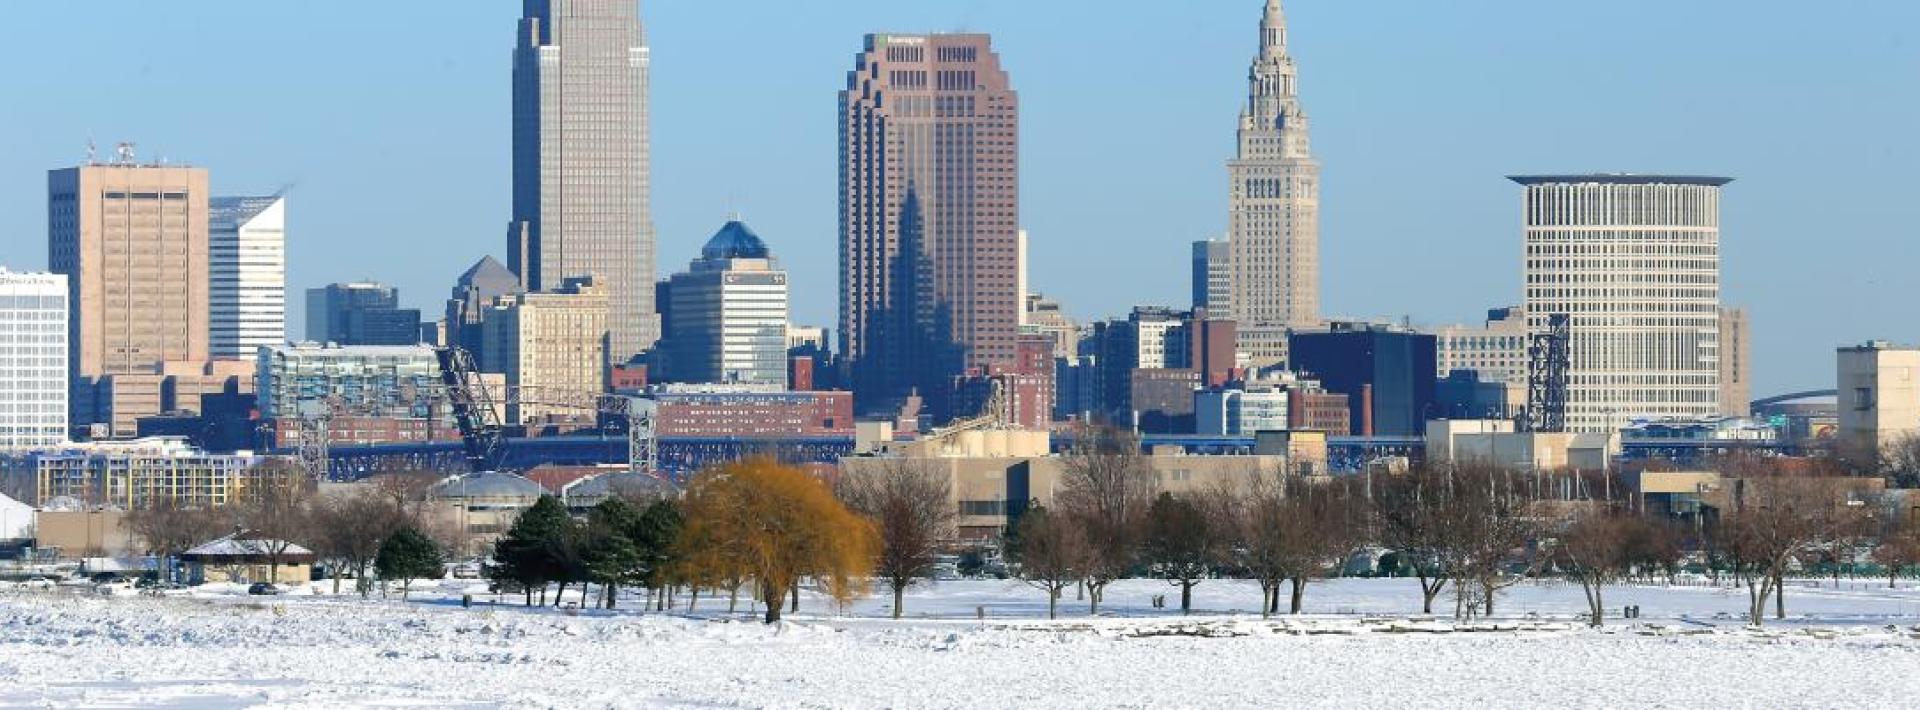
1634, 262
929, 217
581, 202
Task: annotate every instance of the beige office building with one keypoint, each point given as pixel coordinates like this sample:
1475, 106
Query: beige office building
132, 241
1736, 363
1879, 386
1496, 350
552, 346
989, 490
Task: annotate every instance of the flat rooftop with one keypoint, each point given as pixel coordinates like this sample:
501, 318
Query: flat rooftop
1620, 179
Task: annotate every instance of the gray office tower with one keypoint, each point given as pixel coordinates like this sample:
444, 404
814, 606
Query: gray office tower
581, 202
1213, 276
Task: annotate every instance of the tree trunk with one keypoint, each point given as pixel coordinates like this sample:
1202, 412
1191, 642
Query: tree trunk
1266, 599
899, 595
733, 599
613, 595
774, 597
1186, 598
406, 586
1594, 602
1299, 590
796, 596
693, 598
1487, 591
336, 581
1428, 592
559, 594
1053, 603
1780, 595
528, 590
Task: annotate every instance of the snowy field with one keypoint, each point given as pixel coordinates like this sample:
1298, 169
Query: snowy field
1855, 646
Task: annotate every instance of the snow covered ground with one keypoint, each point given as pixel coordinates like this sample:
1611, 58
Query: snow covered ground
1360, 647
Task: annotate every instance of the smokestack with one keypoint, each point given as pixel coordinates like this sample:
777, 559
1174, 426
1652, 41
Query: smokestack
1366, 410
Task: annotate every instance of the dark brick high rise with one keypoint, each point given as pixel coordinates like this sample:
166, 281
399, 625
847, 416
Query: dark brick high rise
929, 217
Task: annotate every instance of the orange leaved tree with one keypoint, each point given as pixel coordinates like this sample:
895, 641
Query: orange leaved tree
778, 524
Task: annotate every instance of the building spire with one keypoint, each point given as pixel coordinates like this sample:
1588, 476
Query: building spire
1273, 31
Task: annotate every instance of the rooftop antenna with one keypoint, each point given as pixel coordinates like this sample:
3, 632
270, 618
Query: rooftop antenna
92, 152
123, 153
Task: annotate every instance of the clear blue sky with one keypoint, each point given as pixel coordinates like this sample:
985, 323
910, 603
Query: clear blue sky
390, 121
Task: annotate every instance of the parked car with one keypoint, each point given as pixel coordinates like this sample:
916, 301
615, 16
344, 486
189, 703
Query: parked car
38, 583
115, 588
263, 589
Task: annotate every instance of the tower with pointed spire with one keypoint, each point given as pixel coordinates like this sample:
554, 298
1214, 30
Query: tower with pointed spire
1274, 221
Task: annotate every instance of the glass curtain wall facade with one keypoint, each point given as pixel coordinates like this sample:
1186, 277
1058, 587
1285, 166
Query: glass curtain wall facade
581, 197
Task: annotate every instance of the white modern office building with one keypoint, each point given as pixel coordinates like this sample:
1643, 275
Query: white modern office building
247, 262
1634, 262
33, 360
726, 315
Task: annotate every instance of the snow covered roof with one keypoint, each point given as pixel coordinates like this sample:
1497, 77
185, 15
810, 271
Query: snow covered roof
488, 484
240, 545
16, 519
621, 483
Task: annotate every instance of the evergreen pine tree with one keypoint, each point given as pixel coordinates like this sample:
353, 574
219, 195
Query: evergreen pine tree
408, 555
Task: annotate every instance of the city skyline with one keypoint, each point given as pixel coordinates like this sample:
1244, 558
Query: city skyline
1765, 230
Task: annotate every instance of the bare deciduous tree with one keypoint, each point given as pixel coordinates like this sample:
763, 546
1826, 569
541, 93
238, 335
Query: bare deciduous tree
1051, 551
273, 508
1775, 521
911, 506
1290, 530
348, 530
168, 528
1182, 543
1898, 551
1108, 486
1408, 521
1593, 550
1460, 525
1486, 524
